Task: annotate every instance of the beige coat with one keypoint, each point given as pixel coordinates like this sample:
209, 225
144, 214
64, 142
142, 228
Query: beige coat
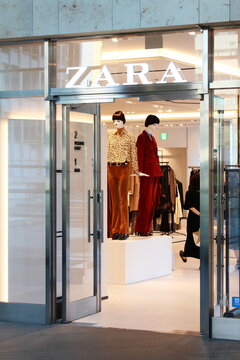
134, 188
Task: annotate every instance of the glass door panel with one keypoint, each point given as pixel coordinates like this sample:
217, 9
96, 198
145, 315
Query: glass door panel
226, 182
80, 243
81, 205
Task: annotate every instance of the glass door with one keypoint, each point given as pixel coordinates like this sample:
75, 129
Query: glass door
226, 225
81, 211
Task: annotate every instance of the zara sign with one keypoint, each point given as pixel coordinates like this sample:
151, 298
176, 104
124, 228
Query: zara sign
134, 72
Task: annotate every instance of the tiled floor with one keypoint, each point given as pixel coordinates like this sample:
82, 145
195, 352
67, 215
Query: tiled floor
75, 342
166, 304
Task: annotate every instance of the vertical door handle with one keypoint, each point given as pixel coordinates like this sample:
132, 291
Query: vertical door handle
101, 215
89, 216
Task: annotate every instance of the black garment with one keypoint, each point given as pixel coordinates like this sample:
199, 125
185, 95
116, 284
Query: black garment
180, 190
190, 248
192, 199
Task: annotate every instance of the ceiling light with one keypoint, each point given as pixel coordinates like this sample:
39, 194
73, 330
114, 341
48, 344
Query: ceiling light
192, 33
184, 58
163, 116
152, 53
129, 102
172, 116
156, 106
115, 39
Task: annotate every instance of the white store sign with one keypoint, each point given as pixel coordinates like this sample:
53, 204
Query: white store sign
80, 78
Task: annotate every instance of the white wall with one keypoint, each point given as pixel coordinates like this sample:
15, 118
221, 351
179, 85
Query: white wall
177, 137
193, 149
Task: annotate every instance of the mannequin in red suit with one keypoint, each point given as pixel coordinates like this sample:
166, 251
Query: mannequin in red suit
148, 164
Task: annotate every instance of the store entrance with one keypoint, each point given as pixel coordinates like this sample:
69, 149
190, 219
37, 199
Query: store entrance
177, 290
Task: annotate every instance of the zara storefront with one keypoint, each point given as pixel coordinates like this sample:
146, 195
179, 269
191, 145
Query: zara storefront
51, 183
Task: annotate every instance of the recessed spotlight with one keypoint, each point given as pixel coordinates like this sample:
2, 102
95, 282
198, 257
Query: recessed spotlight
129, 102
115, 39
192, 33
156, 106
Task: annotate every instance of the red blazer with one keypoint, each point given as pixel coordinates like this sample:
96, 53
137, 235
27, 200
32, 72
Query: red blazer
147, 152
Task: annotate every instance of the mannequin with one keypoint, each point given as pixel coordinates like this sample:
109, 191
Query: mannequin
121, 157
148, 164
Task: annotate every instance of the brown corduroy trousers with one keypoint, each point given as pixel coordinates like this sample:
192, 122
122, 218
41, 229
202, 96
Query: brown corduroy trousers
118, 177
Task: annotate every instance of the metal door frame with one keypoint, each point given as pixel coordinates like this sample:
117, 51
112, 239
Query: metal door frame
144, 93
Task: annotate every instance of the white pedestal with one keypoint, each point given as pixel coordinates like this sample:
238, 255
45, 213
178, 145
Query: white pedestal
138, 258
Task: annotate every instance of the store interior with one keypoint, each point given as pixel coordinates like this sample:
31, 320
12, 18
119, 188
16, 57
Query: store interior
168, 303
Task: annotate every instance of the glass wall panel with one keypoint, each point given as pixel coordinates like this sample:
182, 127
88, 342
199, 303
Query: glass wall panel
159, 58
22, 200
21, 67
226, 54
226, 203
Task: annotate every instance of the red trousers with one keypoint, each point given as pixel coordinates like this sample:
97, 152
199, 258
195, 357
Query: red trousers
149, 198
118, 191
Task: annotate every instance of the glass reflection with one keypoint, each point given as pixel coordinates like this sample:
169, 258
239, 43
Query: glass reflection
142, 59
22, 193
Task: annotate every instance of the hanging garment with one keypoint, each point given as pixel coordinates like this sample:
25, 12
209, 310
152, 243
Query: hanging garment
134, 190
178, 214
180, 190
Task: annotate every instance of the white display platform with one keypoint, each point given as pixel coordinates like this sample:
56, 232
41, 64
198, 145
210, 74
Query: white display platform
138, 258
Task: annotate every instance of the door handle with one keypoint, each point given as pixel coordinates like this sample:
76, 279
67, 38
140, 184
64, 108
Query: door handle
101, 215
89, 216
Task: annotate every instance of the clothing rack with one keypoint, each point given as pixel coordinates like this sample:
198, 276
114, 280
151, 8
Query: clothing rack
164, 163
